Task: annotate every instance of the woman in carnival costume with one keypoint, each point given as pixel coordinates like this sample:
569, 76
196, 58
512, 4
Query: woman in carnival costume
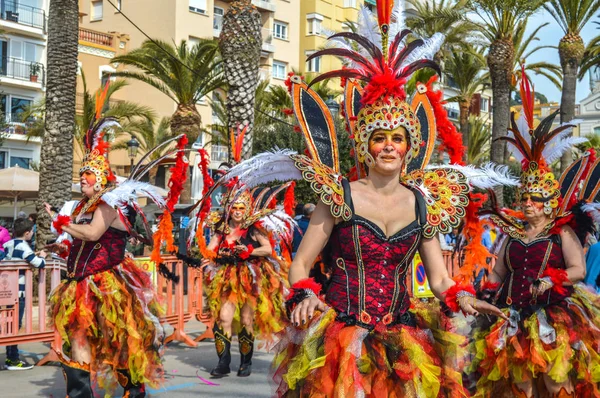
246, 279
362, 339
550, 343
106, 310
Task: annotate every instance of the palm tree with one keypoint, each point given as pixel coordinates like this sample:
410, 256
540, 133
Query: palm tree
523, 52
591, 56
240, 43
478, 150
466, 69
572, 16
185, 74
500, 18
443, 16
57, 157
149, 135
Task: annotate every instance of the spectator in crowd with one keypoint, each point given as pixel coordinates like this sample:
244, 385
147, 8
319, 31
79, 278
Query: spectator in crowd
4, 237
33, 219
303, 221
299, 211
19, 249
443, 245
452, 238
486, 238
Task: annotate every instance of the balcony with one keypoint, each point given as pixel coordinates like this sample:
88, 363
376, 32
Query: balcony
22, 17
94, 37
267, 46
266, 5
18, 72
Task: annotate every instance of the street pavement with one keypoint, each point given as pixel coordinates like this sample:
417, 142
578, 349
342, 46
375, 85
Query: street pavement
186, 373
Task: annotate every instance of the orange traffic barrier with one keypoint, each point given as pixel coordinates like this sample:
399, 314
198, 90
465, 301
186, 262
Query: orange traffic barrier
35, 328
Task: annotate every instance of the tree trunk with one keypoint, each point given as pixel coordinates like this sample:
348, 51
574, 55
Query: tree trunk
464, 108
186, 120
56, 163
570, 50
500, 62
240, 44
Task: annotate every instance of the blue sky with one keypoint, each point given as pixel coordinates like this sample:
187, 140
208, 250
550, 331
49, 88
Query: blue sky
551, 35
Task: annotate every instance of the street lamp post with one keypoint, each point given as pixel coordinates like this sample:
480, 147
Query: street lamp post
132, 148
333, 106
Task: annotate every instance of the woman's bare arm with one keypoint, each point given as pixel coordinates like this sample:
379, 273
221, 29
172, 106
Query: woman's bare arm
573, 254
104, 216
440, 281
313, 242
265, 248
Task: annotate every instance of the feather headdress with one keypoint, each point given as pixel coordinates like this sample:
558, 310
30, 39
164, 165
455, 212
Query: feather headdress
537, 147
96, 148
384, 67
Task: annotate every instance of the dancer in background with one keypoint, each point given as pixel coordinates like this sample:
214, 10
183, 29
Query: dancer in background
550, 343
246, 279
106, 311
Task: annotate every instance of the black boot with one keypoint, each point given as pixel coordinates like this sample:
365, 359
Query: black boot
78, 380
223, 346
246, 341
130, 390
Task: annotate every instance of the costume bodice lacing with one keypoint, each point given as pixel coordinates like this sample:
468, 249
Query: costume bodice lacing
368, 281
526, 262
89, 258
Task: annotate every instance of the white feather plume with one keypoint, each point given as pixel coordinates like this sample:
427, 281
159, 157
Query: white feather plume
280, 224
266, 167
127, 192
524, 128
425, 51
486, 176
553, 153
368, 26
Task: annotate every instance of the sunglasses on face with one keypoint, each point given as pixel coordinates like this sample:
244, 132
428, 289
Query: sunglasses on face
533, 198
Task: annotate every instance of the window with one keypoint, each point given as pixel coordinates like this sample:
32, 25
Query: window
198, 6
280, 30
484, 104
3, 157
350, 3
314, 65
218, 19
279, 70
219, 153
314, 23
597, 130
18, 106
20, 161
97, 10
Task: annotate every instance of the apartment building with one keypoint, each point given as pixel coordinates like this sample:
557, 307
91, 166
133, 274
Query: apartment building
176, 20
22, 75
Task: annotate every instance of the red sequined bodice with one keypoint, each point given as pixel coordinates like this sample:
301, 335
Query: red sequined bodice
368, 280
89, 258
526, 263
